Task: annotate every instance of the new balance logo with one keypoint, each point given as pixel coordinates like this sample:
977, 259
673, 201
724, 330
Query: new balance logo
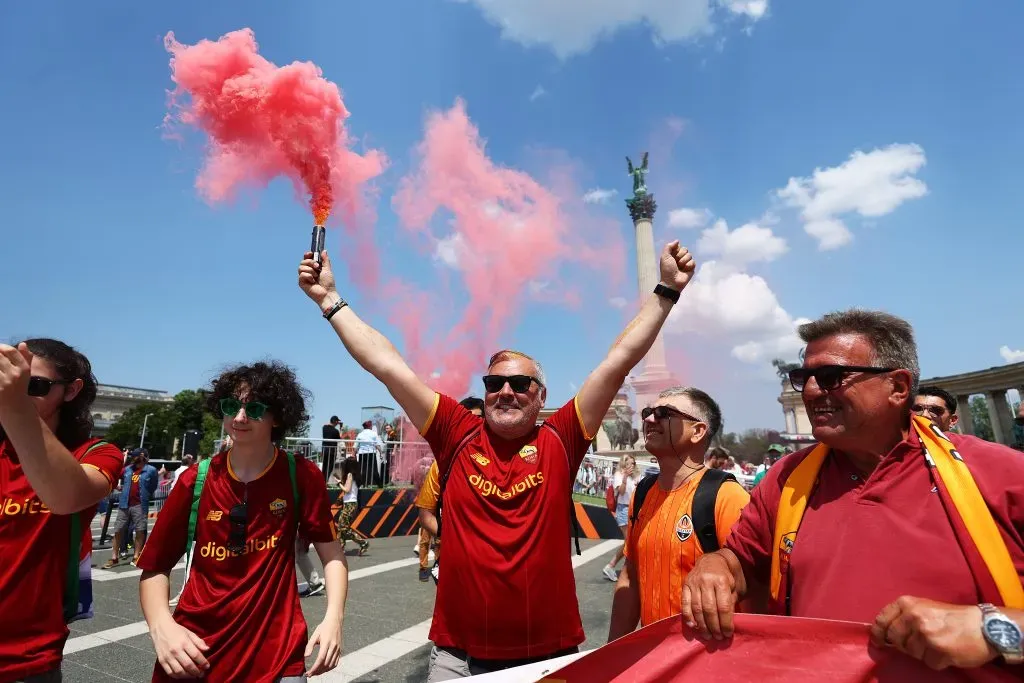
214, 515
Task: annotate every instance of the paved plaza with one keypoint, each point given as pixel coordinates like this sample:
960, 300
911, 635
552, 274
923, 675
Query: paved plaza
386, 620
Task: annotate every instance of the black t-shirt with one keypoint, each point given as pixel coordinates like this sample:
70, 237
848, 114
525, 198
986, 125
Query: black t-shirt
331, 432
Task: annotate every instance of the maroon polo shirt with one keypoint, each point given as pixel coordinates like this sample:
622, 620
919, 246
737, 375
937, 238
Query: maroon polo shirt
864, 543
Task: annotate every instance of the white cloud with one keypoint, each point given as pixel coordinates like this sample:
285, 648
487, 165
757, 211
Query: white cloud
618, 302
599, 195
740, 309
748, 243
754, 9
538, 93
537, 286
871, 184
450, 250
688, 219
1011, 355
569, 27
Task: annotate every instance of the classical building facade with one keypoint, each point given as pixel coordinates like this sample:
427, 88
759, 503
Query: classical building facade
113, 400
992, 383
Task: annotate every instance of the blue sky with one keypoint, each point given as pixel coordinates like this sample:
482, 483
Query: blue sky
108, 246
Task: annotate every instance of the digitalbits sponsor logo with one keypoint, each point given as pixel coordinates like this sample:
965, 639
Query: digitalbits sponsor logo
253, 545
25, 506
487, 487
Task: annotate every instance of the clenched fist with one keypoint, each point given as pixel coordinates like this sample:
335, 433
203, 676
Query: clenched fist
677, 266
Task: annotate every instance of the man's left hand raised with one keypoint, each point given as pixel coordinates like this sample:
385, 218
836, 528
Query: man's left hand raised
677, 266
939, 634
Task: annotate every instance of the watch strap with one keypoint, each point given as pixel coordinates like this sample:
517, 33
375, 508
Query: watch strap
667, 293
990, 612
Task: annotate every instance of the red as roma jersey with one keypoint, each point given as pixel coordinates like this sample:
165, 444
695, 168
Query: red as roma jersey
507, 589
245, 607
34, 545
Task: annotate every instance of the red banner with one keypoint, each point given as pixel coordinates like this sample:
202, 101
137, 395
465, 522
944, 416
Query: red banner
763, 649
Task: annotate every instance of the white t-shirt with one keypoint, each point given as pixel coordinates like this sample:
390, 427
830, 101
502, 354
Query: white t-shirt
624, 498
353, 494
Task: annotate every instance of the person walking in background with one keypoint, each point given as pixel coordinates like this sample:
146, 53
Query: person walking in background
332, 437
138, 485
774, 454
369, 449
624, 481
349, 505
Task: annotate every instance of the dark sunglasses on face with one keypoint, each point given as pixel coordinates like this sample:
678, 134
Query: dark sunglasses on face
665, 412
830, 377
40, 386
254, 410
518, 383
236, 536
937, 411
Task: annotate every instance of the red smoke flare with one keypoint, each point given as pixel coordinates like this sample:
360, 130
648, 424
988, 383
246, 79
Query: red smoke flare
509, 238
265, 121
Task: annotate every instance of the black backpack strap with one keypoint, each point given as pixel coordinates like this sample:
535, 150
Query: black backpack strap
448, 472
703, 511
572, 480
640, 493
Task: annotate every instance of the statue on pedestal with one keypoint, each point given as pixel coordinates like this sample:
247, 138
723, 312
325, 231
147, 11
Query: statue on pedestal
641, 204
638, 173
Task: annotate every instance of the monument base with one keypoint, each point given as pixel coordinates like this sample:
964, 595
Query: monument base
651, 382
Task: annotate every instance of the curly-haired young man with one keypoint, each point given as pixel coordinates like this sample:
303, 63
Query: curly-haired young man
239, 616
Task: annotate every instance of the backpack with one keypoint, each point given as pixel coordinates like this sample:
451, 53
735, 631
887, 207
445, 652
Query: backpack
77, 586
197, 491
467, 439
702, 511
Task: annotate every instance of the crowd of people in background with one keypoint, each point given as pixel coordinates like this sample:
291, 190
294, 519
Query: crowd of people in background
942, 584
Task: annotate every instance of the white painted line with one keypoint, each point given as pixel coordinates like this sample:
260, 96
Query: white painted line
112, 635
110, 575
375, 655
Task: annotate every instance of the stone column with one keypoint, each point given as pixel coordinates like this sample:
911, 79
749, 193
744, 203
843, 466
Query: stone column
791, 421
963, 409
647, 278
999, 413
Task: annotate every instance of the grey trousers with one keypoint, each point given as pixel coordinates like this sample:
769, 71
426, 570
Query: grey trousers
446, 666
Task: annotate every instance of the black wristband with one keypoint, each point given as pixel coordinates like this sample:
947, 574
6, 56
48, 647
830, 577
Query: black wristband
341, 303
667, 292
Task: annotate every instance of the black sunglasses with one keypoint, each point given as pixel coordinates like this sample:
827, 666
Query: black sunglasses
830, 377
40, 386
254, 410
519, 383
237, 536
665, 412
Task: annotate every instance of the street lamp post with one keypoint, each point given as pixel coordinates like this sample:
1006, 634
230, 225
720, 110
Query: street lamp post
144, 421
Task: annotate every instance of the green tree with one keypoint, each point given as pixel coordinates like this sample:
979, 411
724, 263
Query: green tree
211, 432
160, 428
188, 409
980, 419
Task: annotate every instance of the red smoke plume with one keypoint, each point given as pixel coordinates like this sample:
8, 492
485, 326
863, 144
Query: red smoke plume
265, 121
509, 238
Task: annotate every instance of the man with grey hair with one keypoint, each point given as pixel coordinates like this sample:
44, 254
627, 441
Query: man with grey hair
901, 526
509, 594
676, 515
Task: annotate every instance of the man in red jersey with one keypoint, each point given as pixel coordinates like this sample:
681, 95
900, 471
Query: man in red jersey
888, 521
239, 617
50, 470
509, 594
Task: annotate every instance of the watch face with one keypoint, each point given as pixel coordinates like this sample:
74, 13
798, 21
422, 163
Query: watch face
1004, 634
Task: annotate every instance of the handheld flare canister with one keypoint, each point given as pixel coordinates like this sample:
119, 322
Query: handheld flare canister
319, 237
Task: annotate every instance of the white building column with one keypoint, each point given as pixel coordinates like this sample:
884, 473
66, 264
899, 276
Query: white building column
963, 409
999, 414
790, 421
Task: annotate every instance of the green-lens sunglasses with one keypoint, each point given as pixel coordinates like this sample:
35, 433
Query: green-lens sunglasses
254, 410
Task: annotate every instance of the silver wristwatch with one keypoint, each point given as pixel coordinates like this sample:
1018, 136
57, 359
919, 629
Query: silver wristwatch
1002, 633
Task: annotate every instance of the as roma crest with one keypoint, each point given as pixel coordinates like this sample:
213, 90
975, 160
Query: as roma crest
278, 507
528, 453
684, 528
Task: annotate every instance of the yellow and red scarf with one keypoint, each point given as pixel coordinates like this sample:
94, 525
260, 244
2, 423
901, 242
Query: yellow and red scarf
961, 496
